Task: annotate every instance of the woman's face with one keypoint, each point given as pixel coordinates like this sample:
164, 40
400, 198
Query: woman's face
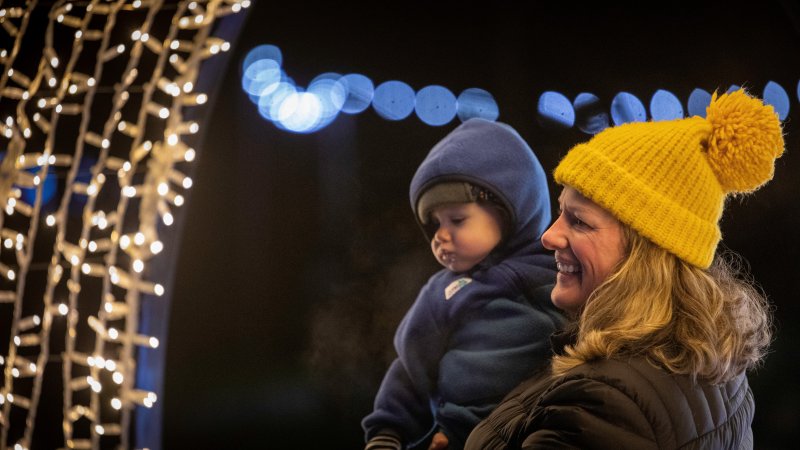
588, 243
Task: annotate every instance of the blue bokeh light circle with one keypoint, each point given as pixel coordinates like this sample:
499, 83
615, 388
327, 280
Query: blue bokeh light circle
555, 108
265, 51
775, 95
664, 105
393, 100
269, 104
300, 112
698, 101
259, 76
590, 116
475, 102
360, 92
435, 105
331, 92
626, 107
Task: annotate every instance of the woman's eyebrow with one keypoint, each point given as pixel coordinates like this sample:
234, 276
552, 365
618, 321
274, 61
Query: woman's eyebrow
572, 208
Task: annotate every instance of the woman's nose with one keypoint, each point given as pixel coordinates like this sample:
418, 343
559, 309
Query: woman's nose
554, 238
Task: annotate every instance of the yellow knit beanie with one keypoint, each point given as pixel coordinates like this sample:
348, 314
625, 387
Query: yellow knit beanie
669, 180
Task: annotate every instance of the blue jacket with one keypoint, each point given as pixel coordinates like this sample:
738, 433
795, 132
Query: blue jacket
469, 338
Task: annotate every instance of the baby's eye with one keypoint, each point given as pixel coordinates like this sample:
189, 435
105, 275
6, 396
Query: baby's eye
457, 220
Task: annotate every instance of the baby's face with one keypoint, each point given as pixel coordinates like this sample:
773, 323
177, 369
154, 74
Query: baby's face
465, 234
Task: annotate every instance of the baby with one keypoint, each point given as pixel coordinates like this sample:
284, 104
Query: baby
481, 325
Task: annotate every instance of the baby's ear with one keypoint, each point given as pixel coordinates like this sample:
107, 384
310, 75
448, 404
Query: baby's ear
505, 220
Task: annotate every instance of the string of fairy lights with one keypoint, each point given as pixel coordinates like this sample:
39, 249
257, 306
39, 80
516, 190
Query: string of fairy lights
110, 87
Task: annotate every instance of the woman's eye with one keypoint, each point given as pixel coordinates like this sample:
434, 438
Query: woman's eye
577, 222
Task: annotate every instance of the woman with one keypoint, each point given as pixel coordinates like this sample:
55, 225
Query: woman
664, 330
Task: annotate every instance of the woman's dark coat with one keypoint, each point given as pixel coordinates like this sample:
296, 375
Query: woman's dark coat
614, 404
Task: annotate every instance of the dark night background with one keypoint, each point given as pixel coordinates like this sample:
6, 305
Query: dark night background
300, 254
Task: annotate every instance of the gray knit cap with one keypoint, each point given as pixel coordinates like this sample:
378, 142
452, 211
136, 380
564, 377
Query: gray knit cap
442, 193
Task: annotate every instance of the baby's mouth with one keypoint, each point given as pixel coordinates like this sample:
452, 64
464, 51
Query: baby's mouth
447, 257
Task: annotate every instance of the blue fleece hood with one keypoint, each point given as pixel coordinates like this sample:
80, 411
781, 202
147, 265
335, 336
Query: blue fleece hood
493, 156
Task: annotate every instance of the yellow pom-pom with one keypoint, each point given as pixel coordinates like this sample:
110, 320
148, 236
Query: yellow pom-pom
745, 140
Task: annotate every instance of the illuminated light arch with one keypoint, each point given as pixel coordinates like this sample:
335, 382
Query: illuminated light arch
94, 101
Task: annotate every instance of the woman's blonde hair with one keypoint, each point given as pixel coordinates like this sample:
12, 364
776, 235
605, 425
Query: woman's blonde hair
710, 324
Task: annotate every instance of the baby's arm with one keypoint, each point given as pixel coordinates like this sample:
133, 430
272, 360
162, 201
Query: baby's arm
403, 400
400, 410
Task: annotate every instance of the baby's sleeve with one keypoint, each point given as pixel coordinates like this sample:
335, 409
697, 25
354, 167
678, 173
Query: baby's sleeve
403, 400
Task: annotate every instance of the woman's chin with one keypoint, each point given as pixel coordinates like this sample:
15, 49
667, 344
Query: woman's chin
566, 299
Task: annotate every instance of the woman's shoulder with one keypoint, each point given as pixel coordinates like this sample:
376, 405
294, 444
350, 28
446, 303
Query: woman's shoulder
638, 376
617, 371
677, 407
641, 375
